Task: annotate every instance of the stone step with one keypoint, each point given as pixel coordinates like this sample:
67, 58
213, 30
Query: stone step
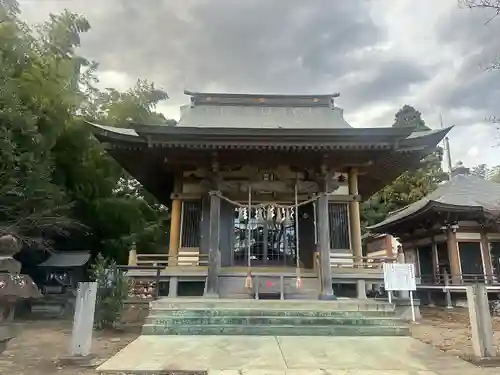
251, 312
170, 321
279, 330
286, 305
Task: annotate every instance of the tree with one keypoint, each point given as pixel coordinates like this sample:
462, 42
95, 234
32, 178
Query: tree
56, 182
409, 117
137, 104
480, 170
410, 186
112, 290
32, 207
492, 5
487, 173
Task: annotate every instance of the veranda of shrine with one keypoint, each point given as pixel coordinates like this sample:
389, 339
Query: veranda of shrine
264, 185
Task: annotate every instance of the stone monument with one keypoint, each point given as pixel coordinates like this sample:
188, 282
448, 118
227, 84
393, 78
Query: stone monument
13, 287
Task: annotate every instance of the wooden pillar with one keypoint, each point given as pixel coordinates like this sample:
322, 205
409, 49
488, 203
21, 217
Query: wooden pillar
435, 261
175, 232
324, 244
388, 246
175, 224
354, 216
132, 256
453, 255
486, 256
212, 283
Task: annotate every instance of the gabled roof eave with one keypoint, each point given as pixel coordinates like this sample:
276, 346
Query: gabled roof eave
386, 225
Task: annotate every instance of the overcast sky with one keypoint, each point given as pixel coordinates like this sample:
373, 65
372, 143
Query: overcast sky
379, 54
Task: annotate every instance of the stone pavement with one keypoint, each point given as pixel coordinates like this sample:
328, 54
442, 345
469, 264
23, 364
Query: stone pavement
298, 355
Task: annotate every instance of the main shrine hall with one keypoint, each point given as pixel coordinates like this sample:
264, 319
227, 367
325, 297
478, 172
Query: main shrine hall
264, 187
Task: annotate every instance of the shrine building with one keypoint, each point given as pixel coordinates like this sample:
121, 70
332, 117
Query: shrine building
264, 188
452, 233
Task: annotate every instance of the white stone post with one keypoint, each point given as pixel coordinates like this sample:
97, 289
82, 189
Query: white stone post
480, 319
83, 324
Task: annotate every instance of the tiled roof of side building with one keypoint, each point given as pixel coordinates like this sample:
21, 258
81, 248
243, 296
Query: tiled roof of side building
466, 191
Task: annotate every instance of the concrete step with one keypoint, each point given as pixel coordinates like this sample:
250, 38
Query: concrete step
269, 312
286, 305
170, 321
276, 330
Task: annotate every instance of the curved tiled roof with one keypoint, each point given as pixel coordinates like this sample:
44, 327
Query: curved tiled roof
461, 192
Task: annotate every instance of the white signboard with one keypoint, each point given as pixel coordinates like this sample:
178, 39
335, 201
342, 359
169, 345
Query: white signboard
399, 277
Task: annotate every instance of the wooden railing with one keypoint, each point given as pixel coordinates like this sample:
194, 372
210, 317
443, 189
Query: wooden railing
462, 279
179, 260
350, 261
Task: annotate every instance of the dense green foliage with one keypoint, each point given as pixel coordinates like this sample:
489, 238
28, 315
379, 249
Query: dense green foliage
488, 173
410, 186
56, 183
409, 117
112, 290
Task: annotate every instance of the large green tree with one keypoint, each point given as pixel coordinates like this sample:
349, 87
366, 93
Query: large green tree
410, 186
32, 207
409, 117
56, 182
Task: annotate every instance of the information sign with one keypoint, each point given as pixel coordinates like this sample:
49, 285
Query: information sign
400, 277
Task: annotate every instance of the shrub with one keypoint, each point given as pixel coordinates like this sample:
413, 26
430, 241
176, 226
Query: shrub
495, 308
112, 290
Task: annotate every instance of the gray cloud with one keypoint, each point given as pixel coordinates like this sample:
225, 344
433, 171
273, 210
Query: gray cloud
249, 45
297, 46
392, 79
474, 34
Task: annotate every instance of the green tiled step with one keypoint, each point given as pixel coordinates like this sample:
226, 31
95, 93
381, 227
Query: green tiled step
269, 321
339, 305
281, 330
249, 312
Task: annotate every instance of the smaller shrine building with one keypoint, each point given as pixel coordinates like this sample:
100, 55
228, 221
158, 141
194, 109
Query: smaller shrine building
453, 231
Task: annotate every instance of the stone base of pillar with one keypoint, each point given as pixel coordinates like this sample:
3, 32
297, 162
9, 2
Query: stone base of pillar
211, 295
327, 297
173, 286
430, 300
361, 289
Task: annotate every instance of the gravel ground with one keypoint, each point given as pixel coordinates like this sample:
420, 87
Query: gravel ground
40, 345
449, 330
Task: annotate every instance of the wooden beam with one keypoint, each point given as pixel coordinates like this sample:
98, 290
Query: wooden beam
242, 197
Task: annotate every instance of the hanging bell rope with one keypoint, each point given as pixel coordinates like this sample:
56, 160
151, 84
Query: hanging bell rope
298, 281
248, 279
